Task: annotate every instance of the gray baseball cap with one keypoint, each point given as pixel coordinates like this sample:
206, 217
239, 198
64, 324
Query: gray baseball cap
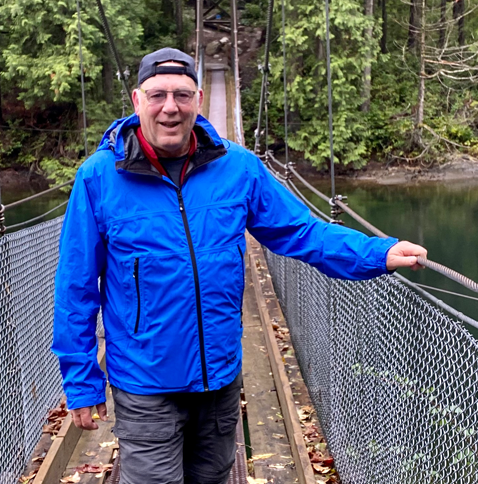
149, 64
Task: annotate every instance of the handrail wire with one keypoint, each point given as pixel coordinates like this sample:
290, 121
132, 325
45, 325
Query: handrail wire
112, 45
37, 195
265, 72
39, 217
307, 202
435, 266
82, 77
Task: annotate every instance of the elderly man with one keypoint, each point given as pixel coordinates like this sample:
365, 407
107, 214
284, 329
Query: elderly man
158, 214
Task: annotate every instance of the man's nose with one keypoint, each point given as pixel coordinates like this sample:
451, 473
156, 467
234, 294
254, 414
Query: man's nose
170, 105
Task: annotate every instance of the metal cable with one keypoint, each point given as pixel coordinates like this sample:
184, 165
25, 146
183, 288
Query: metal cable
329, 93
452, 293
34, 219
286, 140
82, 77
276, 161
441, 269
264, 75
37, 195
308, 185
112, 45
300, 195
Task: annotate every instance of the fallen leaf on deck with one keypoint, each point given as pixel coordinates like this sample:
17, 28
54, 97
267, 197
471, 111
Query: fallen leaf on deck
278, 436
276, 466
320, 469
74, 478
107, 444
251, 480
28, 479
96, 416
89, 468
261, 456
91, 454
260, 423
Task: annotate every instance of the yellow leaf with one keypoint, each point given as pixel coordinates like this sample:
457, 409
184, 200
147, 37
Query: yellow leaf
260, 423
96, 416
74, 478
261, 456
107, 444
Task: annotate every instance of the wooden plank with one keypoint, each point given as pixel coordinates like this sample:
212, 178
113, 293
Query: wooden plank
262, 283
266, 427
60, 452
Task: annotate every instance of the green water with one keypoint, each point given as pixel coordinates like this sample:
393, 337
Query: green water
33, 208
443, 217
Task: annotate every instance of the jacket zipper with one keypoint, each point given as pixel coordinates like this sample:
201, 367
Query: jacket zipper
136, 280
197, 289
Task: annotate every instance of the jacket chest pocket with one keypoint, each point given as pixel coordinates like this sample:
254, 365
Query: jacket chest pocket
133, 282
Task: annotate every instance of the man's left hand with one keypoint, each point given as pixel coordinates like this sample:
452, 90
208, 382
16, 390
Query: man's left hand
404, 254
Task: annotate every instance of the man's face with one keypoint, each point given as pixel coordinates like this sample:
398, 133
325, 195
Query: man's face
167, 127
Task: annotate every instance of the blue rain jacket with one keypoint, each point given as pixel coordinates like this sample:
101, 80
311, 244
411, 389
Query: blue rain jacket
171, 264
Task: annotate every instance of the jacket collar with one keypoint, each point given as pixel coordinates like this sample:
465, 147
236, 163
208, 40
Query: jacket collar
120, 138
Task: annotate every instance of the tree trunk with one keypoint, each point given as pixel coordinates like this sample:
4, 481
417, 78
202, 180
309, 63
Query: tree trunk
441, 40
383, 40
179, 23
107, 75
1, 110
367, 72
412, 25
458, 13
421, 85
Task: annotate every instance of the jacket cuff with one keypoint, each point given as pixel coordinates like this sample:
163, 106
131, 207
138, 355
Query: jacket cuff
391, 242
74, 402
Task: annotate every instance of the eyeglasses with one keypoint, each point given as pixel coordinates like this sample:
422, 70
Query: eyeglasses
182, 97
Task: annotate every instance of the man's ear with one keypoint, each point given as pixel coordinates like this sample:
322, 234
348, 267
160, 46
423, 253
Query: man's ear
136, 101
200, 100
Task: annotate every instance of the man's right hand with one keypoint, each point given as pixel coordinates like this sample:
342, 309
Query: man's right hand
82, 416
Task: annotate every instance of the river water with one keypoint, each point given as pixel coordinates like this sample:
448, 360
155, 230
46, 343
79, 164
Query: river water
441, 216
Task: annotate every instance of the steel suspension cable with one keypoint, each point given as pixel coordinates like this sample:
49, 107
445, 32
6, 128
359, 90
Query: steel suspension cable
35, 219
82, 77
114, 51
329, 94
265, 72
37, 195
286, 138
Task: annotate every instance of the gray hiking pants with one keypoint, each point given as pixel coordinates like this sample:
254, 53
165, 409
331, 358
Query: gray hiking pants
177, 438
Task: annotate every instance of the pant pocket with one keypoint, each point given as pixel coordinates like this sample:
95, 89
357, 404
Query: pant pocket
226, 424
146, 431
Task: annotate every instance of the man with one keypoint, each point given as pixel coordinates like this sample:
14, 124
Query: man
159, 213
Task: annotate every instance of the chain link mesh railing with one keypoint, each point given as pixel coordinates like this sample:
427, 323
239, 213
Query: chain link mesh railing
30, 381
393, 378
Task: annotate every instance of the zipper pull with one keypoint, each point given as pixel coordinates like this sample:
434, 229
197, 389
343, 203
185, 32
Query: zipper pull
135, 268
181, 202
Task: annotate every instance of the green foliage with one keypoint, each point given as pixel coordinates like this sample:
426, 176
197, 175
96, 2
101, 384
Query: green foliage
40, 71
388, 130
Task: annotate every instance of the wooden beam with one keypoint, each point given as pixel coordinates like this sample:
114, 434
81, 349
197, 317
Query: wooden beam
262, 283
60, 452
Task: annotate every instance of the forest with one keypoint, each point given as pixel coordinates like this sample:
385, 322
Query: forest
404, 77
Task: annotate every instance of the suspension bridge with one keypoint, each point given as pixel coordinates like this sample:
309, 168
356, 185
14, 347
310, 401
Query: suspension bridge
391, 370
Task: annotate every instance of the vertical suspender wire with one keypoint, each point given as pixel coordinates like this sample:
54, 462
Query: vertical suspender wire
329, 88
82, 78
286, 139
264, 76
111, 43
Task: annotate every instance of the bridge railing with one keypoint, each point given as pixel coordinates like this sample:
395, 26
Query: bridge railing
393, 378
30, 381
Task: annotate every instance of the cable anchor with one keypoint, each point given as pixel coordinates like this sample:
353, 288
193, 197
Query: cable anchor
288, 172
335, 210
